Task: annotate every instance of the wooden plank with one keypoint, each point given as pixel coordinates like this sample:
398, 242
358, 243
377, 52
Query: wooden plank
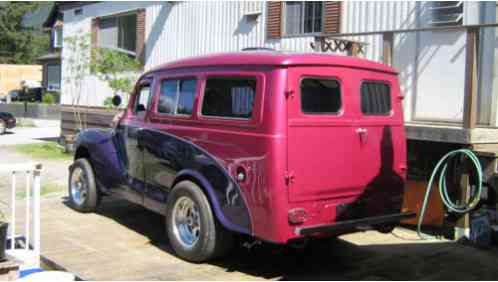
470, 88
438, 133
387, 48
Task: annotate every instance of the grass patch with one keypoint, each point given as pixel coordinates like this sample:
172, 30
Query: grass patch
46, 189
45, 151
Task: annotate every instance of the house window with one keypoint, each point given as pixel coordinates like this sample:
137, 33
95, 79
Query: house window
231, 97
303, 17
118, 33
446, 13
53, 77
57, 36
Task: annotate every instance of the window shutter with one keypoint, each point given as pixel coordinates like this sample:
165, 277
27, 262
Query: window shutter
94, 32
332, 20
140, 38
274, 20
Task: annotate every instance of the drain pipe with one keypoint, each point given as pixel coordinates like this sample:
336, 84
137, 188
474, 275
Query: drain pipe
441, 168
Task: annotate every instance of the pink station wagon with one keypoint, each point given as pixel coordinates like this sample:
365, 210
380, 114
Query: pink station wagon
282, 147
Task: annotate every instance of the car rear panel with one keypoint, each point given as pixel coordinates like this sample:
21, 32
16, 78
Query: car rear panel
350, 165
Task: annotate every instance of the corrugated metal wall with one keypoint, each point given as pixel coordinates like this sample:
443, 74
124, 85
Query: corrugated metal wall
196, 28
431, 64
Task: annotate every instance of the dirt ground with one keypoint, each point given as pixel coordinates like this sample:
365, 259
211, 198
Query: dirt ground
126, 242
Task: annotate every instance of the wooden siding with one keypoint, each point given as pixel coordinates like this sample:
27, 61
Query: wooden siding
274, 20
140, 35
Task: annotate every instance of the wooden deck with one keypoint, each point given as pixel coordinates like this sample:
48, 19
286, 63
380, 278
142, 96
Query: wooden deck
126, 242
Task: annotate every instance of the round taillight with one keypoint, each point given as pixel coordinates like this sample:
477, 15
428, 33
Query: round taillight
297, 216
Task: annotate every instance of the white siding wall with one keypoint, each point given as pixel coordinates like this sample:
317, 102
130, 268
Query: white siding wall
431, 64
196, 28
179, 30
94, 91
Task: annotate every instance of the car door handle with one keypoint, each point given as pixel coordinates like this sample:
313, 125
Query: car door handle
363, 134
361, 130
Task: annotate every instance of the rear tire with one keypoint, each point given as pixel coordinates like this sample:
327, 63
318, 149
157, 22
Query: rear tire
193, 231
83, 194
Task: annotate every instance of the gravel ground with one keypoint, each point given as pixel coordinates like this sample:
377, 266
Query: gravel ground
29, 135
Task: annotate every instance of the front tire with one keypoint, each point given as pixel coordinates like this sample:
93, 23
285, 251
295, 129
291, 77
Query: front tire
83, 193
193, 231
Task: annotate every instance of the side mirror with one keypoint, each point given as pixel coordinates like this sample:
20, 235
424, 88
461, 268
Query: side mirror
116, 100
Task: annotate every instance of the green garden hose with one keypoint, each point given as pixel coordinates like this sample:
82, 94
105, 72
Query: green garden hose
440, 168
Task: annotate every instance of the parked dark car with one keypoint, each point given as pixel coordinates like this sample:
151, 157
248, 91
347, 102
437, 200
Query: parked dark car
7, 121
281, 147
31, 94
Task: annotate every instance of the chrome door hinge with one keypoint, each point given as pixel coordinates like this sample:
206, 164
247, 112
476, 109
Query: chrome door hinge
289, 93
289, 177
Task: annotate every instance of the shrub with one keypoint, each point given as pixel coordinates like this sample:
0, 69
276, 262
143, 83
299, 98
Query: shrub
108, 103
48, 98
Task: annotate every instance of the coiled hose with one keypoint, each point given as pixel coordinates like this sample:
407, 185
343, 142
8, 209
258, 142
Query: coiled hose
441, 168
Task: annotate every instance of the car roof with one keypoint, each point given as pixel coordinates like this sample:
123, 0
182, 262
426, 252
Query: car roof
274, 58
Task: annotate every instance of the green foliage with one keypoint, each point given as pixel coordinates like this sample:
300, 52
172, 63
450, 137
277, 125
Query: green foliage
19, 44
48, 99
108, 103
116, 68
76, 60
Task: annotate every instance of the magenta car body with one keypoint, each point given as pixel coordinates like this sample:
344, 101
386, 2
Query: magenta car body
284, 146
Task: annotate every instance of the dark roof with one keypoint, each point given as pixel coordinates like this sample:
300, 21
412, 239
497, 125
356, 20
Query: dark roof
52, 16
50, 56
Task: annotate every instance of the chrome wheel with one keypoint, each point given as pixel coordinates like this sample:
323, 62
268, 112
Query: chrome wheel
186, 222
79, 186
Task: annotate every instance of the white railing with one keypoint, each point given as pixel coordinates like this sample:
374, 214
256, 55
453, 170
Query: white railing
25, 246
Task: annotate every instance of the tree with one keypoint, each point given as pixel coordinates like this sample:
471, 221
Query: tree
76, 61
118, 69
19, 44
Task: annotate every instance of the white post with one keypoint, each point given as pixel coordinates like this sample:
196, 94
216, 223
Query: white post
35, 216
28, 196
13, 212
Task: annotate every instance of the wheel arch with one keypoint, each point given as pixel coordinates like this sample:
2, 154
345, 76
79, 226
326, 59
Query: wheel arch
82, 152
208, 190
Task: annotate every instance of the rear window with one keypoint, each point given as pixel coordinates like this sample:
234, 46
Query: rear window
320, 96
375, 98
231, 97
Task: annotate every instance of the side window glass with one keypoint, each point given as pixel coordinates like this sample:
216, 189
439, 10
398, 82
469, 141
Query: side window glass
142, 100
320, 96
375, 98
229, 97
167, 100
177, 96
186, 96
